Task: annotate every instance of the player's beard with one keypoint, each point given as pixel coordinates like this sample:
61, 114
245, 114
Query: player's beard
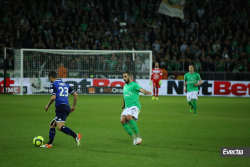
127, 81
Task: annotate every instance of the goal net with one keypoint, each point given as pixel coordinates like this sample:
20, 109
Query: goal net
86, 71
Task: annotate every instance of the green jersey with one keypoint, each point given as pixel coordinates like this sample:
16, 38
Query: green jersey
191, 79
131, 95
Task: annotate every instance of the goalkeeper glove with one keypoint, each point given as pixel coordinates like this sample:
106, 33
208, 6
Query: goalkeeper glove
150, 82
160, 82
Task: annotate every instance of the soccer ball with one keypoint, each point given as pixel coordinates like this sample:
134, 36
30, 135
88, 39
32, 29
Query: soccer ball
38, 141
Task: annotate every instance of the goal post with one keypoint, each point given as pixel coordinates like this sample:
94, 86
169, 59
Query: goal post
87, 71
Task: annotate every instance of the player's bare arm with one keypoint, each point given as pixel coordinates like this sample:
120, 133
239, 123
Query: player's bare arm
52, 99
185, 86
74, 102
145, 92
123, 106
197, 84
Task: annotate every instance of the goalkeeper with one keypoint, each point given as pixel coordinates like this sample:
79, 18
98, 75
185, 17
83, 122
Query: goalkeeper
156, 77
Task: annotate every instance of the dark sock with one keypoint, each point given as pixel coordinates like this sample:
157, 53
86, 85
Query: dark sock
52, 134
68, 131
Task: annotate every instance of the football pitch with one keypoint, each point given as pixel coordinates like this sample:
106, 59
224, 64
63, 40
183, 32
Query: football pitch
172, 136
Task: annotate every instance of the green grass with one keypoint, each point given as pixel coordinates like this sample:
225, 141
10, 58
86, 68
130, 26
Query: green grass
172, 136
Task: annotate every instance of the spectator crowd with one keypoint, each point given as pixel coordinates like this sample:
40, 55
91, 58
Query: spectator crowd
214, 34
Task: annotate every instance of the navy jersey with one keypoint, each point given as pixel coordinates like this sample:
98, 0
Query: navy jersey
61, 90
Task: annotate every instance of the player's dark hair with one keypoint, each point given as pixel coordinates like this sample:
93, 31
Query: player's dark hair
129, 73
191, 65
52, 74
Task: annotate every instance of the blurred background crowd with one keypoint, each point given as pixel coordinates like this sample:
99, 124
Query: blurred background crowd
214, 34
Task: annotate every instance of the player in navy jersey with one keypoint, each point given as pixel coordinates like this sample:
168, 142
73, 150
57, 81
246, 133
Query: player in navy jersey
59, 94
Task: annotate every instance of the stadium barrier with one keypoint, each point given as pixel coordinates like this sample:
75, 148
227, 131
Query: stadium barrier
114, 86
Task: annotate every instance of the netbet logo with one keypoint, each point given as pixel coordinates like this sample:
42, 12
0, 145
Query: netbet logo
232, 152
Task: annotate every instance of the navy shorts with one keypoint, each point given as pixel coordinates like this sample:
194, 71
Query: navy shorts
62, 112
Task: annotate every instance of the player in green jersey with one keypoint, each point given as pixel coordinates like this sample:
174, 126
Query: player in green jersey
191, 82
132, 107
